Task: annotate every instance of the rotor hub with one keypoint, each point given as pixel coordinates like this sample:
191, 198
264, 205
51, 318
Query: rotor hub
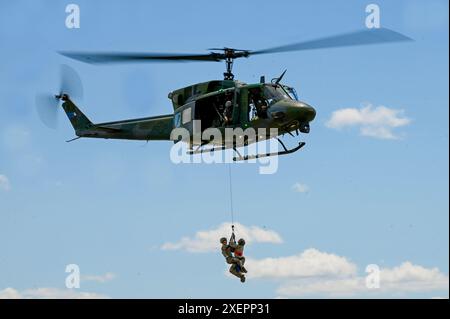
228, 55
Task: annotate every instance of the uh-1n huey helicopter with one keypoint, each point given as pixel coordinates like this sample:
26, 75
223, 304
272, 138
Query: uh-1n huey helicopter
220, 104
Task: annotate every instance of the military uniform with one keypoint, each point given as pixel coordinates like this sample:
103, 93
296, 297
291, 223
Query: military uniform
228, 113
239, 255
227, 252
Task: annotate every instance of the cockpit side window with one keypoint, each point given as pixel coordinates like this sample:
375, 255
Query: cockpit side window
274, 94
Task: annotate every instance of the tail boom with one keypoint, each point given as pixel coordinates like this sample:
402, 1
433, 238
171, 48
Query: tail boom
149, 128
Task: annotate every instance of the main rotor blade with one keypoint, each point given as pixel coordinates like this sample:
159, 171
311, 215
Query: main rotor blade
364, 37
118, 57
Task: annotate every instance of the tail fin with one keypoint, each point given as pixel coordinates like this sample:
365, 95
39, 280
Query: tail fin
77, 118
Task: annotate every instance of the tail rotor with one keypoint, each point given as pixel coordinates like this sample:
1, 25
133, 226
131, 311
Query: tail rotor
47, 104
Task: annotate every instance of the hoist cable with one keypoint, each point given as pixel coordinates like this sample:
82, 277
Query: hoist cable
231, 196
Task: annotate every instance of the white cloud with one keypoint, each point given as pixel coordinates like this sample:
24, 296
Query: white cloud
410, 277
313, 273
300, 188
99, 278
406, 278
310, 263
322, 287
10, 293
378, 122
48, 293
4, 183
208, 240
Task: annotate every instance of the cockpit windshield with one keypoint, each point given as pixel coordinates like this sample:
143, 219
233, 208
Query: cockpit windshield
291, 91
274, 93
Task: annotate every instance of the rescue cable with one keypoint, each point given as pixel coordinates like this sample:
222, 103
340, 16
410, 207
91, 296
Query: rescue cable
231, 198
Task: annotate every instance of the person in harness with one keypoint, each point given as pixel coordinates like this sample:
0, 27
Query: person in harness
227, 249
239, 254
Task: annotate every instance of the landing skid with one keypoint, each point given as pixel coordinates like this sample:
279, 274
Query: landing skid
206, 150
285, 152
240, 158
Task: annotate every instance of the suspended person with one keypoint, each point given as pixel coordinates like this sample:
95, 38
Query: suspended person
227, 252
239, 254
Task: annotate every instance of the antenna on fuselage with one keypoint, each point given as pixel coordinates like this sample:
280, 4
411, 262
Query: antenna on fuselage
278, 80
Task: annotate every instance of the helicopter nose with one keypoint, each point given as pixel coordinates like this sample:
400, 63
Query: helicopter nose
288, 111
306, 112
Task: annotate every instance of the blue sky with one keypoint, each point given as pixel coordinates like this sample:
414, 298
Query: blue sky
110, 206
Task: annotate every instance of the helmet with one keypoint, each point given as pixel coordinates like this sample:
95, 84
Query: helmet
241, 242
223, 239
